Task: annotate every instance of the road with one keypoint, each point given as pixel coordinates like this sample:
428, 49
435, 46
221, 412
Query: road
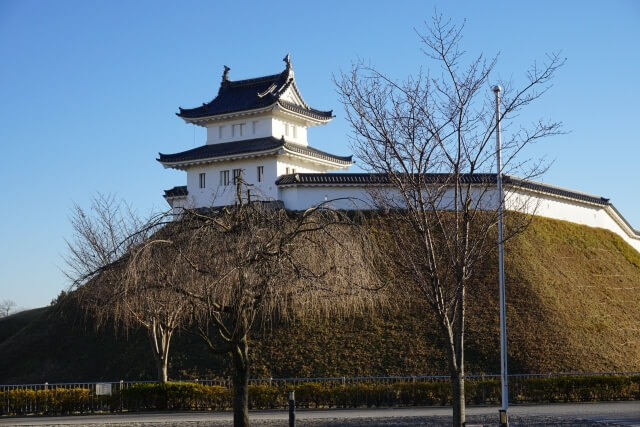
566, 414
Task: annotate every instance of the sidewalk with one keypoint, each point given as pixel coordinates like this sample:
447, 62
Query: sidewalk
572, 414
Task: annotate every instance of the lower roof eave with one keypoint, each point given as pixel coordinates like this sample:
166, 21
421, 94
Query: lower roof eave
185, 164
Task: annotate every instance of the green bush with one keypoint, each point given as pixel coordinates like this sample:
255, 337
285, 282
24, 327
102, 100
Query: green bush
50, 401
264, 396
190, 396
482, 391
182, 396
312, 393
423, 393
578, 389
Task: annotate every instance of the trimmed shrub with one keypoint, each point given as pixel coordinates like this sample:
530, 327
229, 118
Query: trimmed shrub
264, 396
190, 396
182, 396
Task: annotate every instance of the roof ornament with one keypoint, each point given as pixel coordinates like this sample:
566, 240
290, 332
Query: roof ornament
225, 75
287, 60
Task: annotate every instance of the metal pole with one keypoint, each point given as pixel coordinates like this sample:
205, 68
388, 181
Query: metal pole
292, 408
503, 312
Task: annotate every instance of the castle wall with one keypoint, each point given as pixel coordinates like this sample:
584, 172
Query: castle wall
551, 206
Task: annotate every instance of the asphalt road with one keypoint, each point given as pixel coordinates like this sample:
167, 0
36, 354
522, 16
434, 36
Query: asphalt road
570, 414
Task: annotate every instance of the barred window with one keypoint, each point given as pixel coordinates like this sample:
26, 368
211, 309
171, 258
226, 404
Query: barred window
237, 173
224, 177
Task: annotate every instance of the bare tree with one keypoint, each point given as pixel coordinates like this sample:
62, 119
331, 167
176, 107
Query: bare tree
256, 262
124, 277
430, 139
6, 306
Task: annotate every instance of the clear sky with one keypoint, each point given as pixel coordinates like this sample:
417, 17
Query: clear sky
88, 92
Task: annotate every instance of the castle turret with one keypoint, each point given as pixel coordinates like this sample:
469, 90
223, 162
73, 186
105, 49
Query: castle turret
255, 127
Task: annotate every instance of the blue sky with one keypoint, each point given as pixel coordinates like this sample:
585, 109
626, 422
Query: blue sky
88, 92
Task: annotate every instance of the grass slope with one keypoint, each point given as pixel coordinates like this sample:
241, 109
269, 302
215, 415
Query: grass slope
573, 296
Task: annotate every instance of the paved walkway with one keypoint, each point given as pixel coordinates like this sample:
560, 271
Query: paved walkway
572, 414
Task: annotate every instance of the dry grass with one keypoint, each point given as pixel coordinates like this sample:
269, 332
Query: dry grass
573, 295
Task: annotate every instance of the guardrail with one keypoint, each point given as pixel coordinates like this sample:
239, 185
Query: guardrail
86, 397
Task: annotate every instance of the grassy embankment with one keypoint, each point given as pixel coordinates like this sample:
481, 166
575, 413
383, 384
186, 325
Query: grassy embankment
573, 296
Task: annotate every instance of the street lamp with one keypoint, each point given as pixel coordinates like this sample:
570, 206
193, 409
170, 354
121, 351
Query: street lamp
504, 422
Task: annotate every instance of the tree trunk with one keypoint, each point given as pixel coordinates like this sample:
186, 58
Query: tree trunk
161, 365
459, 409
241, 384
160, 340
455, 352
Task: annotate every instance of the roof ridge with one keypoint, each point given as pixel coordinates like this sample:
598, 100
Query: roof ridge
381, 178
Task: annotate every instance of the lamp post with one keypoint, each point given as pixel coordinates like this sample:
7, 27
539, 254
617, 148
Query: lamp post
504, 422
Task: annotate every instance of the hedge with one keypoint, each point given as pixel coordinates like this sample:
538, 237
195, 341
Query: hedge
50, 401
190, 396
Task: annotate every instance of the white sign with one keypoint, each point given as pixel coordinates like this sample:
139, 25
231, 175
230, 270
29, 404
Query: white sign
103, 389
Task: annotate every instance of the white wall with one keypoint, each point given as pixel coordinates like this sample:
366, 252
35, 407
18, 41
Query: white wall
292, 131
215, 194
247, 127
300, 166
546, 205
256, 126
301, 198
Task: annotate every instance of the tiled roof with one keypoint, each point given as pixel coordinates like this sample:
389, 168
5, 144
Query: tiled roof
369, 178
176, 191
383, 179
546, 188
314, 152
251, 94
257, 145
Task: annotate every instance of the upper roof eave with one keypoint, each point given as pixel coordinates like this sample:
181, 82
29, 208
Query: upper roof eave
227, 115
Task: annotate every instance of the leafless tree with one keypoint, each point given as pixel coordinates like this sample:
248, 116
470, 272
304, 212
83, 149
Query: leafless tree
430, 139
256, 262
6, 306
124, 276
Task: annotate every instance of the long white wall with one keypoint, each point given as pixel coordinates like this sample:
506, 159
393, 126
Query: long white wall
546, 205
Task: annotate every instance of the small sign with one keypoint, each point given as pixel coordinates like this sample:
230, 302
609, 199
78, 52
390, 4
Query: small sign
103, 389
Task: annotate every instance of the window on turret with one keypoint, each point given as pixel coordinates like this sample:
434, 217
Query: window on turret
260, 173
286, 129
237, 173
224, 177
295, 131
236, 130
220, 132
255, 127
203, 180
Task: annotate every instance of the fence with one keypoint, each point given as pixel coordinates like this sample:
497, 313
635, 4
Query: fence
114, 396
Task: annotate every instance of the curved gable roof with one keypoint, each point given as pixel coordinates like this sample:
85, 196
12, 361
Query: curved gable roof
252, 94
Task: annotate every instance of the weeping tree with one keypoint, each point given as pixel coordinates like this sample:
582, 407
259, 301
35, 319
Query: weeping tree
124, 269
255, 262
430, 139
